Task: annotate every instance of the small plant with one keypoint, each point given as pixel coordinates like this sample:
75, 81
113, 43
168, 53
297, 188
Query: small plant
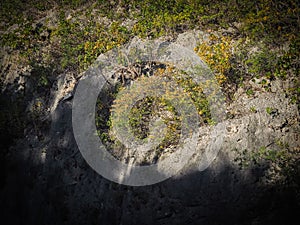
253, 109
271, 111
249, 92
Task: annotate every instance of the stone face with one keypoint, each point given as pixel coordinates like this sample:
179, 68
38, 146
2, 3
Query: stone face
48, 182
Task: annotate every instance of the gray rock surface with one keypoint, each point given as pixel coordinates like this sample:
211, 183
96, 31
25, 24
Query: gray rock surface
48, 182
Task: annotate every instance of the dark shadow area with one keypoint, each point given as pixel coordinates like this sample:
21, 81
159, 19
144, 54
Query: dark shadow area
12, 124
22, 118
65, 190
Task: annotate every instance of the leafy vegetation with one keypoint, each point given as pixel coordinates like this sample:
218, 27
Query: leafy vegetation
271, 22
216, 52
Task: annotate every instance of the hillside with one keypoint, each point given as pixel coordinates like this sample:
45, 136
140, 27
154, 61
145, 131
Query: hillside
234, 64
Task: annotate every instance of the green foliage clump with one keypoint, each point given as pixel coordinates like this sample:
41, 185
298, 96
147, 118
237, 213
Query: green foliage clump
270, 110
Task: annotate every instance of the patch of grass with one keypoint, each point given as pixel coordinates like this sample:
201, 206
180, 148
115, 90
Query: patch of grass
166, 17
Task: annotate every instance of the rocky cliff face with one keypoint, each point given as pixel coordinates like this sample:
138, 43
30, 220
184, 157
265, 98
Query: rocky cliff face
44, 179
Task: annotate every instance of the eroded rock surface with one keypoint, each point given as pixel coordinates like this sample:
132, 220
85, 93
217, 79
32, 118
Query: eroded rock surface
47, 181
